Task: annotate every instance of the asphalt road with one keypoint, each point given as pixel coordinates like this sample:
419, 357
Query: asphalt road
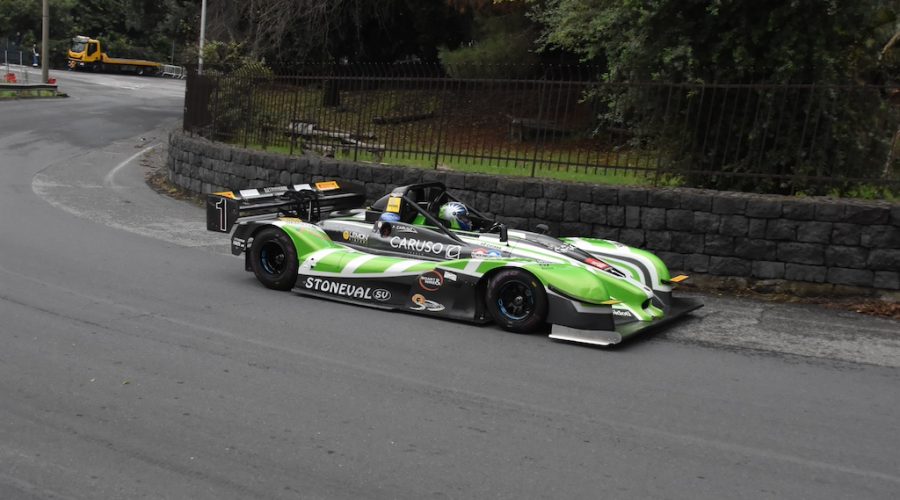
139, 360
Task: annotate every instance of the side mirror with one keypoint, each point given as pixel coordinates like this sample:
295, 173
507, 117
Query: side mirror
542, 228
504, 234
384, 228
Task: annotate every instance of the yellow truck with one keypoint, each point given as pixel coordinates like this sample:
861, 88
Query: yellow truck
87, 54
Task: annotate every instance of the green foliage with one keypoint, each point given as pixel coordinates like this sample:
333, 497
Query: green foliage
501, 40
836, 131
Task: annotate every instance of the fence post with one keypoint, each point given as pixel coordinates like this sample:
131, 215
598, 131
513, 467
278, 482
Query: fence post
443, 117
249, 115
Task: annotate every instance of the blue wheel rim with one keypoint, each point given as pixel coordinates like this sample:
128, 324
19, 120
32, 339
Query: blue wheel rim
272, 258
515, 300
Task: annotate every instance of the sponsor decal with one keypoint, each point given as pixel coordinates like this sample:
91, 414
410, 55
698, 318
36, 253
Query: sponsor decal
405, 229
431, 281
423, 304
327, 185
486, 253
449, 276
621, 313
381, 295
355, 237
599, 264
344, 289
422, 246
393, 205
279, 189
562, 248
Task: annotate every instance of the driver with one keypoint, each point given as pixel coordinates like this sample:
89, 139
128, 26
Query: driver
455, 215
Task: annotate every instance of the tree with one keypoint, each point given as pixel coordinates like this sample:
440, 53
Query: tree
739, 41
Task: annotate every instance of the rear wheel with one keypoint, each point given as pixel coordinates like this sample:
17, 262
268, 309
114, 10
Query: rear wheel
273, 258
517, 301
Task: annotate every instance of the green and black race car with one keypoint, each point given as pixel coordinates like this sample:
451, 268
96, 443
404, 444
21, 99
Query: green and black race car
421, 249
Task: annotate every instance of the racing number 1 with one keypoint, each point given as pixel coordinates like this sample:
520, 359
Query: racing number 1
223, 217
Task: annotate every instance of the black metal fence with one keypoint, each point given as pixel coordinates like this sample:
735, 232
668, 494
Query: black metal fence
560, 122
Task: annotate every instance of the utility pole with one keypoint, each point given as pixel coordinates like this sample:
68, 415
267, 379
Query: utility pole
202, 36
45, 42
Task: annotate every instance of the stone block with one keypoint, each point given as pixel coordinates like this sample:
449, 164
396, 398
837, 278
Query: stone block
516, 206
814, 232
434, 176
574, 229
347, 171
374, 191
364, 173
764, 207
717, 244
768, 270
685, 242
632, 216
697, 263
632, 196
475, 182
756, 228
705, 222
632, 237
533, 188
653, 218
456, 180
605, 232
696, 200
658, 240
887, 280
496, 206
884, 259
555, 191
880, 236
595, 214
516, 222
555, 209
734, 225
755, 249
578, 192
672, 260
571, 211
725, 203
782, 229
729, 266
830, 211
510, 186
680, 220
664, 198
845, 234
840, 256
858, 213
605, 195
895, 215
801, 272
801, 253
615, 215
798, 209
853, 277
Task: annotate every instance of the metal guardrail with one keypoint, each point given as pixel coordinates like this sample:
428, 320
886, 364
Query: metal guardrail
564, 122
173, 71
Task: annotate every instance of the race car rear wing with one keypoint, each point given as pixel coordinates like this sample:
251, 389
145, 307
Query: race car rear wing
305, 201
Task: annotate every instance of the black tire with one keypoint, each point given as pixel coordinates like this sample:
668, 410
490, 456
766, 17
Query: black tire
517, 301
273, 258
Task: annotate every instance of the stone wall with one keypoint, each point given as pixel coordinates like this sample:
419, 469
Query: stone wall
760, 237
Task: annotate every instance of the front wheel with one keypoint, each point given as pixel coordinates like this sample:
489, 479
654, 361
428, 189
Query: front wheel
273, 258
517, 301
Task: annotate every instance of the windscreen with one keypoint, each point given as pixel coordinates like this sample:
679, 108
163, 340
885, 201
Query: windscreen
78, 46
